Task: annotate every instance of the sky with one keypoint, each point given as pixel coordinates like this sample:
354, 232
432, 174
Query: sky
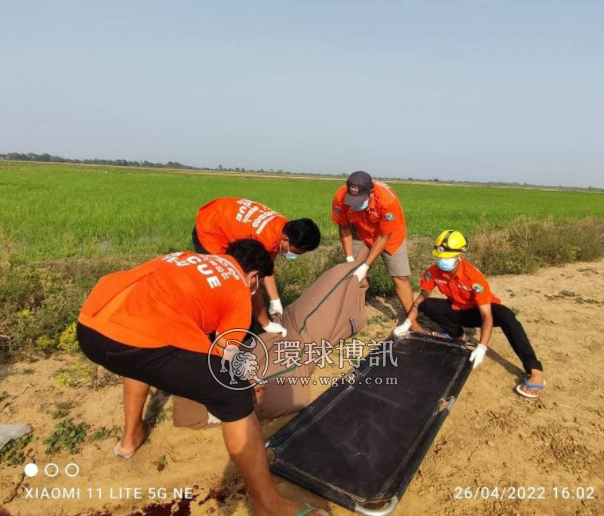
456, 90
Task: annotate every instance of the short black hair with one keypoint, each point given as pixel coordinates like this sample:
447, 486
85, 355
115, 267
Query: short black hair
303, 233
251, 256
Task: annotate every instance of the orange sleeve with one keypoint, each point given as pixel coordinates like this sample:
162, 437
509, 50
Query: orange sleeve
427, 282
390, 218
481, 289
339, 210
237, 314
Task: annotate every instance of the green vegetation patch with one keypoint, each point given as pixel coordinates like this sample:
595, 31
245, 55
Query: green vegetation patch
66, 435
13, 452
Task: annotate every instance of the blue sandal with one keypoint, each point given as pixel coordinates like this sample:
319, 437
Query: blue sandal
529, 386
308, 510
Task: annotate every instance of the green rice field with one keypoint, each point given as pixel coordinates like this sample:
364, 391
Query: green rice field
58, 211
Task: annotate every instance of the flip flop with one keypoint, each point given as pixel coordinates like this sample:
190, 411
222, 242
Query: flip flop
118, 452
529, 386
309, 509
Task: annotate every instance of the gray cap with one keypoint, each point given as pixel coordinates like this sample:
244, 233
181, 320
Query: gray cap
358, 186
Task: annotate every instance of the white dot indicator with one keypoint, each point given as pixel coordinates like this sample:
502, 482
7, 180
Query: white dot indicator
51, 466
72, 470
31, 470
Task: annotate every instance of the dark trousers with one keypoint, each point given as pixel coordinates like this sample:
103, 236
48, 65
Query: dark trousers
451, 321
193, 375
197, 244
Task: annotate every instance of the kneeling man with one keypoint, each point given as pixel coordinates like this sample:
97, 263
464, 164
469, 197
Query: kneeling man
469, 302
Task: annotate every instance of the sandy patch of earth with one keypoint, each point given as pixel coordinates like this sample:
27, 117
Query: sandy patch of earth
493, 437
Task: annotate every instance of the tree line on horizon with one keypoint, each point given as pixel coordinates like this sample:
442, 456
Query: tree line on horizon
49, 158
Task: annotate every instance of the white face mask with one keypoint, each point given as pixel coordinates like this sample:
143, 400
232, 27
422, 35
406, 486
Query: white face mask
446, 264
363, 206
289, 255
249, 283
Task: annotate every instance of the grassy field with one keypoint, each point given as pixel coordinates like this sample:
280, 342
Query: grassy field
58, 211
62, 227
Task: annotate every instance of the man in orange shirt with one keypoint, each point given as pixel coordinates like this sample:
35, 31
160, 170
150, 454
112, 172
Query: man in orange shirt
226, 219
373, 210
150, 325
469, 302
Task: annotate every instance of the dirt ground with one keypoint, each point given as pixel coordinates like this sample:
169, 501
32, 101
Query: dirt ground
492, 438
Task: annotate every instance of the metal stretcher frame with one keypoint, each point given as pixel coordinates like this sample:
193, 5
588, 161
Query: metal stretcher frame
359, 444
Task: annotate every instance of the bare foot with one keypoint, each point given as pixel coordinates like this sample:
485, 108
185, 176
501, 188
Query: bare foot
133, 440
536, 378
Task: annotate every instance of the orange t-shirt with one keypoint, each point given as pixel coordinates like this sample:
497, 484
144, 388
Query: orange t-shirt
175, 300
384, 215
226, 219
466, 289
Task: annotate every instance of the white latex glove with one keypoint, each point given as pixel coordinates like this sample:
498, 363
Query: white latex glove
273, 327
275, 307
478, 354
213, 420
350, 258
403, 329
361, 271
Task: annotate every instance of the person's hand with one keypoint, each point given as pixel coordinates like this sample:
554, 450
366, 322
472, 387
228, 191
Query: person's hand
477, 355
213, 420
275, 307
361, 271
403, 329
273, 327
350, 258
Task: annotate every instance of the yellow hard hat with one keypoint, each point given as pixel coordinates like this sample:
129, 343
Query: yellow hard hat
450, 243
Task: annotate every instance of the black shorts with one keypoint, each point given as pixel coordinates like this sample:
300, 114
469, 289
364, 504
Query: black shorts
174, 370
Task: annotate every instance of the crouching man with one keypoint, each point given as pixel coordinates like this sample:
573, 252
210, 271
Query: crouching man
149, 325
469, 302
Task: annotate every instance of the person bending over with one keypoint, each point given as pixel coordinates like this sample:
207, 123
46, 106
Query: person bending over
369, 214
150, 325
226, 219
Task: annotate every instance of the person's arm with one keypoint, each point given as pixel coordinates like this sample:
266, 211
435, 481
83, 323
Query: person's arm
486, 329
414, 312
346, 239
258, 309
262, 317
411, 320
275, 306
378, 248
427, 285
270, 284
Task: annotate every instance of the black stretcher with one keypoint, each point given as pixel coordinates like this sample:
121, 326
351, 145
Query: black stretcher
359, 444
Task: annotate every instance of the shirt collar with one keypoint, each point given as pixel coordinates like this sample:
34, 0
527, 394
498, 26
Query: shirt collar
461, 269
372, 202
